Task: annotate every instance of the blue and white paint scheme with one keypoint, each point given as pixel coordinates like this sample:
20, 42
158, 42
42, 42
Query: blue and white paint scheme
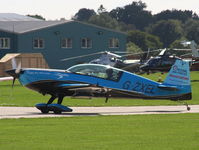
101, 80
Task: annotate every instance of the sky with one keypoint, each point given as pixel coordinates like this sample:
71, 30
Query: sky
56, 9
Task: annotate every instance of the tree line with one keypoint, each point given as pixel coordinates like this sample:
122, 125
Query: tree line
145, 30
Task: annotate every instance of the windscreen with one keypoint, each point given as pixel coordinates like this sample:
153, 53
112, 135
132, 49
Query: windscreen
99, 71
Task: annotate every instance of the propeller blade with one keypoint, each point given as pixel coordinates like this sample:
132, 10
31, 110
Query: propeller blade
13, 82
18, 69
107, 95
121, 52
82, 56
140, 53
14, 64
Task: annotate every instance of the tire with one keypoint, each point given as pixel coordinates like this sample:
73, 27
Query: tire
45, 111
57, 111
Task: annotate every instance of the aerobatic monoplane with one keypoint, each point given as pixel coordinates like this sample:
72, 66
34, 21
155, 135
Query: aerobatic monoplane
102, 81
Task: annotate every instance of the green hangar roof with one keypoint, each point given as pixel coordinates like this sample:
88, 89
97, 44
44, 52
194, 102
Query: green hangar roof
20, 27
16, 17
27, 26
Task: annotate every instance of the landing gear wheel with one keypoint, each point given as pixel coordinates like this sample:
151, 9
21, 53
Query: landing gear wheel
45, 111
57, 111
188, 108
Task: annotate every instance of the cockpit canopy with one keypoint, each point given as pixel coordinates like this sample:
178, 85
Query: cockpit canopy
96, 70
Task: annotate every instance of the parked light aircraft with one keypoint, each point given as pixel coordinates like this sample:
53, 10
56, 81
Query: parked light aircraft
110, 59
164, 60
117, 61
195, 54
6, 78
102, 80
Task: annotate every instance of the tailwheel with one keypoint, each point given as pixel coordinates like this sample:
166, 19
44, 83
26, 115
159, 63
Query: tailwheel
188, 108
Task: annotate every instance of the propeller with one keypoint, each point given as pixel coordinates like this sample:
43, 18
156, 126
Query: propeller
15, 71
107, 95
13, 82
66, 59
18, 69
14, 64
111, 53
140, 53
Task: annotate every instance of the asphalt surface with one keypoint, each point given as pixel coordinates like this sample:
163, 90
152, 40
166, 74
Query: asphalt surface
32, 112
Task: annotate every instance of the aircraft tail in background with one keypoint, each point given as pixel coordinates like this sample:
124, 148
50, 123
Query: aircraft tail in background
193, 47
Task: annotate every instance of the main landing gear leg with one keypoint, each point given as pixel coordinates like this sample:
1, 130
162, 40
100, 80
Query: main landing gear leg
56, 108
60, 99
50, 101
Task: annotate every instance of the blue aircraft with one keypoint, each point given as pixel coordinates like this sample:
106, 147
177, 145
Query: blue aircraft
102, 80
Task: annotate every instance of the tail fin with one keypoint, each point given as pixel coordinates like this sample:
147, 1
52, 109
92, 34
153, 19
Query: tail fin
193, 46
179, 74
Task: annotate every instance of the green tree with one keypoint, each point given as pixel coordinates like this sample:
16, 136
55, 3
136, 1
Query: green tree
192, 30
37, 17
84, 14
175, 14
104, 20
133, 48
144, 40
134, 13
167, 31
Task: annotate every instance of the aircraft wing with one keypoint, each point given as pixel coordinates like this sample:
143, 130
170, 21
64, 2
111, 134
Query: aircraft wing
73, 85
125, 93
168, 87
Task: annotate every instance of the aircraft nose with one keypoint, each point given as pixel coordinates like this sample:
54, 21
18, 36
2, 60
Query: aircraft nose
12, 72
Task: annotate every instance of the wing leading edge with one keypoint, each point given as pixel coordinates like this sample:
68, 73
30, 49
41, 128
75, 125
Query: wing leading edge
73, 85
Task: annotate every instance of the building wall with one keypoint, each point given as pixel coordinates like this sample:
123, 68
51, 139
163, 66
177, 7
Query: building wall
52, 51
13, 43
27, 60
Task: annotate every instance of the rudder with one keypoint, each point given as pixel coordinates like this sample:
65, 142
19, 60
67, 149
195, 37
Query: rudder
179, 74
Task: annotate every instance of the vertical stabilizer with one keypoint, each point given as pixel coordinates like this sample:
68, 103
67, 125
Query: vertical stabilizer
193, 47
195, 53
179, 74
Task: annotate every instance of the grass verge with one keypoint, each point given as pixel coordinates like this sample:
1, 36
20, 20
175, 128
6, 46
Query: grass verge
150, 132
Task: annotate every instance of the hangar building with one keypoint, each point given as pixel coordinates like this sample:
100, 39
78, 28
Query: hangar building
57, 40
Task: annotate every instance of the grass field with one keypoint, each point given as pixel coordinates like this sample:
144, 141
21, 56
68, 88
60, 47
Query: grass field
20, 96
140, 132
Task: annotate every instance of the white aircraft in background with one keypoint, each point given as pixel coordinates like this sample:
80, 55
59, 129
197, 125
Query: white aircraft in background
195, 55
6, 78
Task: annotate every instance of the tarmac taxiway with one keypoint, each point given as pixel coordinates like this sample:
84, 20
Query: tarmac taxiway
32, 112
